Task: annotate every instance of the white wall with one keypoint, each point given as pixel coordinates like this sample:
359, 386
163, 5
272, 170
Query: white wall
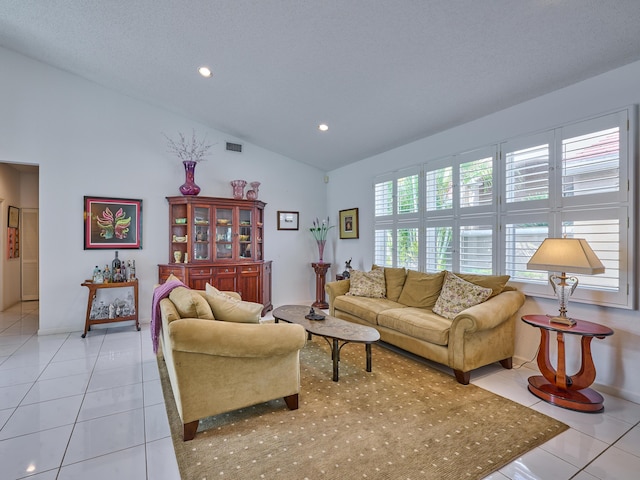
9, 268
88, 140
617, 357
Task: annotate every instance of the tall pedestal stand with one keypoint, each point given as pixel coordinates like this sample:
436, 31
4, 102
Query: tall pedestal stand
321, 272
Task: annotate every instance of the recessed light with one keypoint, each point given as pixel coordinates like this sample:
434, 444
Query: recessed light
205, 72
323, 127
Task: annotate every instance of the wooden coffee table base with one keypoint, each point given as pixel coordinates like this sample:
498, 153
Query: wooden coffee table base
585, 400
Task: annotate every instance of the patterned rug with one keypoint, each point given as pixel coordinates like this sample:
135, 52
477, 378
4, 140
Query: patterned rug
404, 420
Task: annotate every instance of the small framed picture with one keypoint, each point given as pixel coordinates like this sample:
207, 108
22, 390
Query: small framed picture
111, 223
14, 217
349, 223
288, 220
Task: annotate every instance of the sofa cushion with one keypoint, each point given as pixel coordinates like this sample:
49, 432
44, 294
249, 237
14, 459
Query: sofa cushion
421, 289
418, 323
394, 281
190, 304
230, 309
363, 307
458, 294
367, 284
495, 282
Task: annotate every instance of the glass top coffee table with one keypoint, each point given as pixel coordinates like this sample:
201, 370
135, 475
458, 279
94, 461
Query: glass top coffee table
332, 329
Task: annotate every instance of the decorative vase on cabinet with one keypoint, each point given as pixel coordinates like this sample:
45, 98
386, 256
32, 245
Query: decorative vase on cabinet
222, 239
189, 186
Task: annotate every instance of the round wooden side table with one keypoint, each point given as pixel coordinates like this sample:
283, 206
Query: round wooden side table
554, 385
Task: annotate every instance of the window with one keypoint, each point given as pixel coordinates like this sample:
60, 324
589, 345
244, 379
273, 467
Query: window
397, 220
488, 210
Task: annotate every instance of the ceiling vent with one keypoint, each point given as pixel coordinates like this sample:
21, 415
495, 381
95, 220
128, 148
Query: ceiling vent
234, 147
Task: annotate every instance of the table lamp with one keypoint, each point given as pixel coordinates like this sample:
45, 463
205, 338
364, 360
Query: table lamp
572, 255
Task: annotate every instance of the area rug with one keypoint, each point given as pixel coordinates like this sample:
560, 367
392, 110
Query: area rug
403, 420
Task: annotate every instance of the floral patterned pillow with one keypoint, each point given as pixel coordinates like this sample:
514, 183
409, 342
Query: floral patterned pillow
458, 294
367, 284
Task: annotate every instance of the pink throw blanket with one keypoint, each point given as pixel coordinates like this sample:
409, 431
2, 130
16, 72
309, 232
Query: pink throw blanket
161, 291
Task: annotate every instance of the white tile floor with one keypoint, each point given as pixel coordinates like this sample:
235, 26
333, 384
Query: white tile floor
73, 408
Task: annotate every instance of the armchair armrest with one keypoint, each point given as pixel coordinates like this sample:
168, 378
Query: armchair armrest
228, 339
335, 289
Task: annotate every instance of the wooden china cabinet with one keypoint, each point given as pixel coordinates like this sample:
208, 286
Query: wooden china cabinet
219, 241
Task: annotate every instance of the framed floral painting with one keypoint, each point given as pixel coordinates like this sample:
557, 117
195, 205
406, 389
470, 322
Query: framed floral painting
111, 223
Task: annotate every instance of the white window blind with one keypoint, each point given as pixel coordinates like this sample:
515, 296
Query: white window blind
476, 183
487, 211
439, 248
591, 163
527, 174
439, 189
383, 197
476, 249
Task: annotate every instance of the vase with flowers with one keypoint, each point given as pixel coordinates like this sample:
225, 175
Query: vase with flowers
319, 230
190, 152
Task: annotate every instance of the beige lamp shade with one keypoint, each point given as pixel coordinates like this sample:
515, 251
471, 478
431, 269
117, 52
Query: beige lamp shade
572, 255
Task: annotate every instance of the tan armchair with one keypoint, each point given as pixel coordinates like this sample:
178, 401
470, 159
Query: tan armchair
219, 366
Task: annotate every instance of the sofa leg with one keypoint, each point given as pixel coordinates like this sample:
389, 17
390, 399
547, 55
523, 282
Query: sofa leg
507, 363
292, 401
462, 377
189, 430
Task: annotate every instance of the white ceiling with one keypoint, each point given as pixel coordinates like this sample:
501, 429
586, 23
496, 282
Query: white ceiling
380, 73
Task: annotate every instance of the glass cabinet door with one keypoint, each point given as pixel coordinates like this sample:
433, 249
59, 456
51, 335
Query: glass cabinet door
259, 234
201, 233
244, 233
224, 233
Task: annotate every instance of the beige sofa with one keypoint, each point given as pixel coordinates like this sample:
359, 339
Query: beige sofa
476, 336
217, 363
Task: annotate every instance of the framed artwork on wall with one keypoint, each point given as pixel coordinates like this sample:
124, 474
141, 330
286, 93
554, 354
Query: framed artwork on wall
13, 242
112, 223
349, 223
14, 217
288, 220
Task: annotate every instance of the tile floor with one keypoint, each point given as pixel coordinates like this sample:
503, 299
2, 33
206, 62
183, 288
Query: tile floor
73, 408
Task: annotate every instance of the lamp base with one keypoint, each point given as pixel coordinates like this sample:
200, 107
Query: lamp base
563, 320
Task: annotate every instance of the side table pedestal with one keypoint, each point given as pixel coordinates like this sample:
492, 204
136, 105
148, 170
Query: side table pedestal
321, 273
554, 385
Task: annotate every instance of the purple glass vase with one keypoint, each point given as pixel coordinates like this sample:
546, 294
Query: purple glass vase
320, 251
189, 187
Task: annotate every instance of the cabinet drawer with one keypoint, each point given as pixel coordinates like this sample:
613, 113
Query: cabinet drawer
250, 269
165, 271
200, 272
224, 271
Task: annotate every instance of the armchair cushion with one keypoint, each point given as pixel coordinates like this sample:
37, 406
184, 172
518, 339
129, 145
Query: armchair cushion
457, 295
230, 309
190, 304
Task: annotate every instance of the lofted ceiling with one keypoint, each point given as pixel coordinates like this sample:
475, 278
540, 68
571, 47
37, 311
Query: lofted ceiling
379, 73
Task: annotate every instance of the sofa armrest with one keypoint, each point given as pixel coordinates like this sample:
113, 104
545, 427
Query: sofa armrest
335, 289
228, 339
489, 314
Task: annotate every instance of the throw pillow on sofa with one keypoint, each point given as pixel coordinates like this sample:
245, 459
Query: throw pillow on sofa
394, 281
495, 282
367, 284
421, 289
229, 309
190, 304
457, 295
